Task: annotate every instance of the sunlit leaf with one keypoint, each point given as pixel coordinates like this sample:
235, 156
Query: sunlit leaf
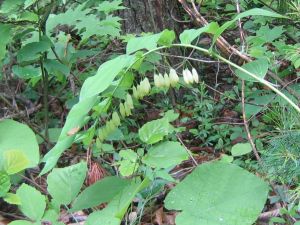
218, 193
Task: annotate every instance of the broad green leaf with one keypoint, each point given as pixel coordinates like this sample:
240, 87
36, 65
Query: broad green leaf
22, 222
51, 215
55, 67
53, 133
12, 199
241, 149
258, 67
4, 183
128, 164
10, 7
5, 37
127, 168
85, 21
15, 135
188, 36
166, 38
251, 12
75, 119
116, 209
33, 203
100, 192
109, 7
218, 193
154, 131
15, 161
165, 155
148, 42
105, 76
32, 50
65, 183
26, 72
28, 3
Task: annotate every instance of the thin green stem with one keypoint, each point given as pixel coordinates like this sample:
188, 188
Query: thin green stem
261, 80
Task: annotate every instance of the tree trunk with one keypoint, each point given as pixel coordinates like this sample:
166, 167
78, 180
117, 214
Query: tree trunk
150, 16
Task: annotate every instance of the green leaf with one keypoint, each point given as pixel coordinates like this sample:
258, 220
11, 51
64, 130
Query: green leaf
22, 222
4, 183
18, 136
108, 7
251, 12
55, 67
15, 161
165, 155
65, 183
128, 164
12, 199
218, 193
148, 42
104, 76
167, 37
116, 209
10, 7
154, 131
258, 67
100, 192
75, 119
33, 203
32, 50
241, 149
5, 37
26, 72
28, 3
188, 36
85, 21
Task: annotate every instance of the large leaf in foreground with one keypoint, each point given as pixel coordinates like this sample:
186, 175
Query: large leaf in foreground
17, 136
116, 209
218, 193
65, 183
33, 203
100, 192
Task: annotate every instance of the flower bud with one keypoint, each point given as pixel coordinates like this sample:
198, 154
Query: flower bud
116, 119
161, 80
187, 76
127, 109
101, 135
167, 80
156, 81
145, 84
122, 110
110, 126
195, 75
129, 101
173, 77
135, 93
140, 91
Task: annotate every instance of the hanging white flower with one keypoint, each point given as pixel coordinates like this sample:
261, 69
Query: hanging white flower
195, 75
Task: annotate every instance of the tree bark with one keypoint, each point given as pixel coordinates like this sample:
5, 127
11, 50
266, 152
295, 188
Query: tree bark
150, 16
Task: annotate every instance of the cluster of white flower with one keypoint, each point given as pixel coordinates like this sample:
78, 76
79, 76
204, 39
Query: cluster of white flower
190, 77
171, 79
167, 80
140, 91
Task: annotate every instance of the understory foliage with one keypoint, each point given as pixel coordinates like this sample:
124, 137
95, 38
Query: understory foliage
100, 153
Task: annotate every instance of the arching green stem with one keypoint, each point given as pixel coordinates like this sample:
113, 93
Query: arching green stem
263, 81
